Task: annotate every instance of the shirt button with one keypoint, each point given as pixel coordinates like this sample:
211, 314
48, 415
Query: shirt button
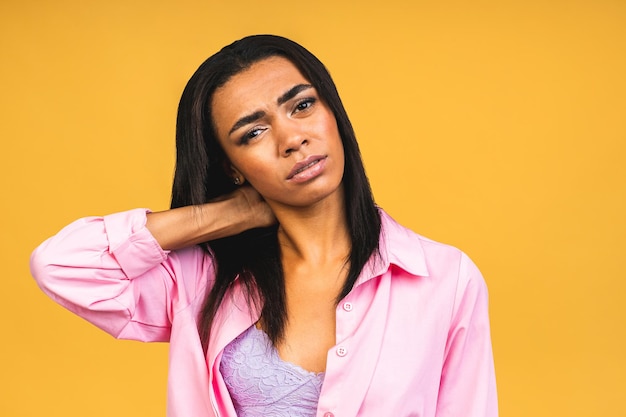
342, 351
348, 306
329, 414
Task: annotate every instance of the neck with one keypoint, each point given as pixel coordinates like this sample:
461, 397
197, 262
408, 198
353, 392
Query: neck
316, 234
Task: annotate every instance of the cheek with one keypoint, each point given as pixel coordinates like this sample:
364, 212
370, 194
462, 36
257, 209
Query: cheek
337, 143
256, 170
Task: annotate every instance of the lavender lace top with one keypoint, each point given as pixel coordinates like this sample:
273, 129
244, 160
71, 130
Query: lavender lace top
260, 383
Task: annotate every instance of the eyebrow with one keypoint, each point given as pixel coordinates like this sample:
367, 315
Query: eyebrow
246, 119
285, 97
292, 92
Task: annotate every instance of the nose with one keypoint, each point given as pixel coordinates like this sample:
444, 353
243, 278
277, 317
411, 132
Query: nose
290, 137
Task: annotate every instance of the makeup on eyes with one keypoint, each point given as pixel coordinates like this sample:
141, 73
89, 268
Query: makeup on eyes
302, 105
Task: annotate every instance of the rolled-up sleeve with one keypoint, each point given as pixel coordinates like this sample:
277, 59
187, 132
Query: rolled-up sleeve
111, 271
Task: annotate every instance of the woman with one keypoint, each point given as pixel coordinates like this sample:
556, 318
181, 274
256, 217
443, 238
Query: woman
281, 287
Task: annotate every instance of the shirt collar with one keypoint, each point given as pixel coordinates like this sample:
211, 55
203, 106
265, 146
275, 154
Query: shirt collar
398, 246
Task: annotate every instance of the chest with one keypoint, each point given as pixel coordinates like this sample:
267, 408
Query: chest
388, 344
311, 317
260, 383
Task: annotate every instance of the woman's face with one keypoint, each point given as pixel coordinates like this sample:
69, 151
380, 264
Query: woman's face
279, 134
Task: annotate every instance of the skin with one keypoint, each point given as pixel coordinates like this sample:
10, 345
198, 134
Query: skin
268, 119
285, 130
309, 207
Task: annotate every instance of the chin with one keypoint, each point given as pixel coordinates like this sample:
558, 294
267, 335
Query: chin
329, 194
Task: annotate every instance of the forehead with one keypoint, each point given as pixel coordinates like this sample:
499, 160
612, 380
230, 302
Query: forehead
261, 83
272, 69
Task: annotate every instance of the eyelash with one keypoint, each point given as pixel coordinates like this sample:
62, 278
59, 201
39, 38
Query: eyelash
309, 101
302, 105
249, 135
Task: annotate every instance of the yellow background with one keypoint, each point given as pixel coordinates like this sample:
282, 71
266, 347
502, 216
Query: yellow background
496, 126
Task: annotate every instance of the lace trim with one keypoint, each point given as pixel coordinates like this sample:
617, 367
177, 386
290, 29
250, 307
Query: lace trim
261, 383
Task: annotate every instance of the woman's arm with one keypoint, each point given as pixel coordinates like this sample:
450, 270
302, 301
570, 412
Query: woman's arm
468, 385
186, 226
113, 272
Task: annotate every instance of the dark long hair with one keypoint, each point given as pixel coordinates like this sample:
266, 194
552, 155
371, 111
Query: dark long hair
253, 257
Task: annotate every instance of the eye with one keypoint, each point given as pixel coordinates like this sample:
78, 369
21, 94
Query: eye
304, 104
250, 134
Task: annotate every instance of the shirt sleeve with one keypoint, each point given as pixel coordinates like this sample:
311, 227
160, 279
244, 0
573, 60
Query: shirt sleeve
112, 272
468, 386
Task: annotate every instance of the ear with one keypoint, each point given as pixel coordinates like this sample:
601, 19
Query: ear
234, 173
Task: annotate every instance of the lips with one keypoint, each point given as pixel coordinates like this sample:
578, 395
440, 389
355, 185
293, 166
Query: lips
304, 165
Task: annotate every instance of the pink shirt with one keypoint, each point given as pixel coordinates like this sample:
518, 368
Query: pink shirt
412, 336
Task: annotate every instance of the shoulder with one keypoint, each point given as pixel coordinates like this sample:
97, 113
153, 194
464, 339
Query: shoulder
421, 255
440, 271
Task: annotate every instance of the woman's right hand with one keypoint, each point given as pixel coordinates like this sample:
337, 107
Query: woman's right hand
254, 207
228, 215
